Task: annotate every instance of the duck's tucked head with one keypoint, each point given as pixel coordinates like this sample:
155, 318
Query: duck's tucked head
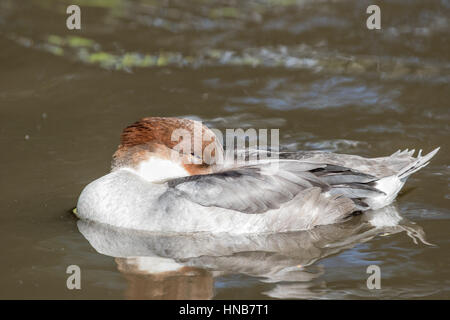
162, 148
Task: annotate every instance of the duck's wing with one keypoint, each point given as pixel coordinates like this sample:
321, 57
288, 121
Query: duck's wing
379, 167
265, 186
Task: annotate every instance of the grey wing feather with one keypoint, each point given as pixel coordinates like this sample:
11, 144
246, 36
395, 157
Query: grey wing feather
250, 189
378, 167
258, 188
255, 189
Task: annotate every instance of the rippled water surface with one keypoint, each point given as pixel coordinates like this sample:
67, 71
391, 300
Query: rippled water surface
310, 68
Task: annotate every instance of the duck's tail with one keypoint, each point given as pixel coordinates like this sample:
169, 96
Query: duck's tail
417, 164
391, 185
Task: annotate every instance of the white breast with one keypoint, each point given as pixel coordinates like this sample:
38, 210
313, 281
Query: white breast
155, 169
121, 198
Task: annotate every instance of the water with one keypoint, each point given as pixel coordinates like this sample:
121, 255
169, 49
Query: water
309, 68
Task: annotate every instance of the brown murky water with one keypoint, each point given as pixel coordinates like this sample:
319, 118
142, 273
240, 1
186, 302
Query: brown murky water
309, 68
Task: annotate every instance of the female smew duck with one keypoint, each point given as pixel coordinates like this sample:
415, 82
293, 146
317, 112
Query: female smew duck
154, 187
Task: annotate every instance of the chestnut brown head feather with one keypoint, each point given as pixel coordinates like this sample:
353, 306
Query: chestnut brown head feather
156, 135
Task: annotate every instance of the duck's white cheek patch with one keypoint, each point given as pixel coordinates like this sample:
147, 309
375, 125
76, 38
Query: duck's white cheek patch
157, 169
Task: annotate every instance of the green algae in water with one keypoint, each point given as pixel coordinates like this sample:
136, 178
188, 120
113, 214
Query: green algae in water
130, 60
162, 60
226, 12
72, 41
102, 58
57, 51
56, 40
77, 42
148, 61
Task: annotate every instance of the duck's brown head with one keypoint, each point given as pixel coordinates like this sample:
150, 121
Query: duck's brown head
185, 142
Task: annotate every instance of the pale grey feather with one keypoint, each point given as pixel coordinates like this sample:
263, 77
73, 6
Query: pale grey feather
257, 189
379, 167
250, 189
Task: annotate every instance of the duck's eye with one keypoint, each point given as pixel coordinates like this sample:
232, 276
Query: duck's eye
195, 156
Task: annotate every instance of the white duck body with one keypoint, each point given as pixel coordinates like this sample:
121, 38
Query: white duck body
125, 199
147, 191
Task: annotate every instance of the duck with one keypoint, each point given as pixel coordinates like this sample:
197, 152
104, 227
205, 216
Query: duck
157, 183
168, 263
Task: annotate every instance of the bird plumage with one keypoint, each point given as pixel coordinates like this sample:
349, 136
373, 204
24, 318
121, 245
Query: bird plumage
148, 190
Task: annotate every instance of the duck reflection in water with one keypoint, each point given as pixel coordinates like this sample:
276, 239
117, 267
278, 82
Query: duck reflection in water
185, 266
